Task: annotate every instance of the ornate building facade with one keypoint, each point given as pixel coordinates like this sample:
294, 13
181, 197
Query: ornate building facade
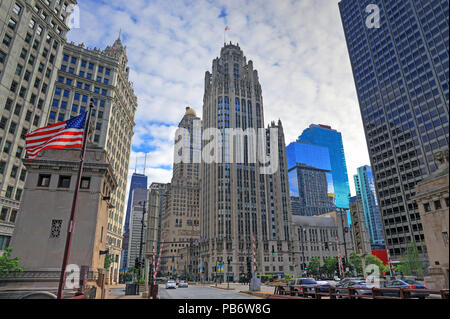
104, 76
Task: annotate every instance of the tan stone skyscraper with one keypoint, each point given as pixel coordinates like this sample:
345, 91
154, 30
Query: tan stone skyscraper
238, 197
180, 221
102, 75
32, 35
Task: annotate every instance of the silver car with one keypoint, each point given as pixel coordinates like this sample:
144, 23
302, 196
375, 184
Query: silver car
171, 284
183, 284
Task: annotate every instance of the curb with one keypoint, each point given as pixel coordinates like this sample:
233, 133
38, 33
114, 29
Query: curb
257, 294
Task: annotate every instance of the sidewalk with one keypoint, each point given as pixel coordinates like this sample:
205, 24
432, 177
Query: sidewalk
242, 288
118, 292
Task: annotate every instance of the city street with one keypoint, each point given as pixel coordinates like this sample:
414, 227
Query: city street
200, 292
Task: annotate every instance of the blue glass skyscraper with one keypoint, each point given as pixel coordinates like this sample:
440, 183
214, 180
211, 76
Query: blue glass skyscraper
401, 73
137, 181
365, 191
310, 181
322, 135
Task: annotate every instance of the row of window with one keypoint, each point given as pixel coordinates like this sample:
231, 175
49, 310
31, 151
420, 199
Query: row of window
437, 204
73, 60
5, 218
69, 81
63, 181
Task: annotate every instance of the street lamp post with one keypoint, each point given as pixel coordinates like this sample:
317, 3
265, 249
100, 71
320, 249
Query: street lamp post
144, 203
342, 211
302, 236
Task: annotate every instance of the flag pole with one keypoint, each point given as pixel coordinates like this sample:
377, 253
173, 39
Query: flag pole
62, 279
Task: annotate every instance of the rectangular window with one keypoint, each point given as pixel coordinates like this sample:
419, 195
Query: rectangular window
2, 56
2, 167
7, 40
13, 216
9, 191
44, 180
7, 147
19, 152
23, 174
437, 204
18, 194
85, 182
17, 9
64, 182
12, 24
4, 214
12, 127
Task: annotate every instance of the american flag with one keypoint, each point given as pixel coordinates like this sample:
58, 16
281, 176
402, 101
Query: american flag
65, 134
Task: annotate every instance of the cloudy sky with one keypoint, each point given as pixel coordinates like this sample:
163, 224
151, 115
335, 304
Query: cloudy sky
297, 46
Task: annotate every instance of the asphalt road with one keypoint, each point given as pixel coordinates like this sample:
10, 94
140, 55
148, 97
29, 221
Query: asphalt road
200, 292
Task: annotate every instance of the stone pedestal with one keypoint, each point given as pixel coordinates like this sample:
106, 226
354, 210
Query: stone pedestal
436, 279
255, 284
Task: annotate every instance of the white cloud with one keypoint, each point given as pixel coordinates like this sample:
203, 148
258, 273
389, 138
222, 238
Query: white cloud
298, 48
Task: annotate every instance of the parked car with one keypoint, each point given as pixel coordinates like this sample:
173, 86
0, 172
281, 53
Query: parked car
362, 288
183, 284
171, 284
407, 284
324, 285
307, 283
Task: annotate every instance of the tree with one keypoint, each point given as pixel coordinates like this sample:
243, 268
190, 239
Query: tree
108, 261
7, 264
314, 266
410, 263
374, 260
356, 263
330, 266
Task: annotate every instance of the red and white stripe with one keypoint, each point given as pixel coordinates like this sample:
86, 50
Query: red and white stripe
341, 266
159, 258
254, 253
153, 264
52, 136
391, 266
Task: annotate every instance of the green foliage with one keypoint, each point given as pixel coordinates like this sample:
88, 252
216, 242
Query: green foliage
356, 263
125, 276
7, 264
374, 260
314, 266
108, 261
410, 263
330, 266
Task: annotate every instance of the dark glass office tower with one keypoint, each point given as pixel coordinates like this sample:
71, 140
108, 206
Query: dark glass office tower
138, 181
325, 136
365, 191
401, 73
310, 180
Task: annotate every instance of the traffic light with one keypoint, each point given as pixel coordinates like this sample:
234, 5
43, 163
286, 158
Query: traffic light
273, 251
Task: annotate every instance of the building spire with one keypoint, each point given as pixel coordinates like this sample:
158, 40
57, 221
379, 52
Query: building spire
120, 33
